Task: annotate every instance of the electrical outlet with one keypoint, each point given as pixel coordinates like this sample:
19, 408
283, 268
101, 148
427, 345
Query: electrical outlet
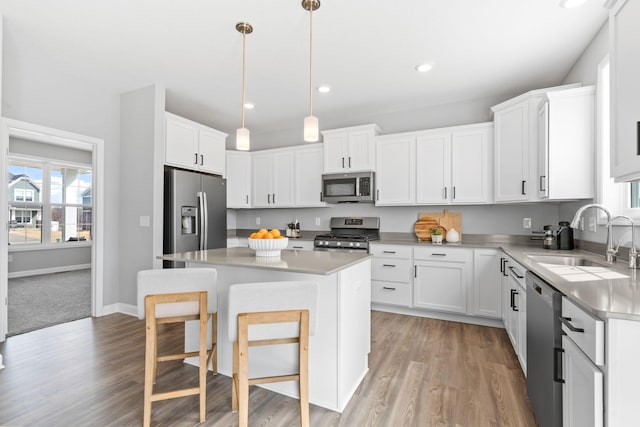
592, 223
257, 220
317, 220
526, 222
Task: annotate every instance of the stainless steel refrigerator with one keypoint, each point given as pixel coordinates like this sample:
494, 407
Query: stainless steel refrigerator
195, 212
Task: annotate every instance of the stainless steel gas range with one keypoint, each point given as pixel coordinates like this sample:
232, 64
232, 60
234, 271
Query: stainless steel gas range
349, 234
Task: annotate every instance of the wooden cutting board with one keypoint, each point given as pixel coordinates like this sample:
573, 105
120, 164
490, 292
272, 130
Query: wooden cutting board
444, 220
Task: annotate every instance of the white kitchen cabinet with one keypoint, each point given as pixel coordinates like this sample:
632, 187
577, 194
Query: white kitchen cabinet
391, 270
308, 176
624, 44
487, 283
272, 176
350, 149
301, 245
582, 390
566, 132
396, 170
438, 166
516, 146
514, 307
238, 174
194, 146
442, 277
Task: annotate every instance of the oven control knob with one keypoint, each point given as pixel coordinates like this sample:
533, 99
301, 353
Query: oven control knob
350, 243
338, 243
357, 244
325, 243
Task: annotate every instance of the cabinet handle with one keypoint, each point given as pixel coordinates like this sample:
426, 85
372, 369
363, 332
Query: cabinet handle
504, 267
524, 193
349, 162
542, 180
502, 260
437, 254
388, 252
269, 198
387, 288
454, 193
298, 247
566, 321
343, 163
274, 198
415, 271
247, 197
378, 195
321, 196
389, 265
201, 159
557, 364
196, 162
513, 297
515, 273
445, 193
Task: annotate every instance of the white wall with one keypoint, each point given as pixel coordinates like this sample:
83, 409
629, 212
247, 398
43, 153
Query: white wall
36, 88
485, 219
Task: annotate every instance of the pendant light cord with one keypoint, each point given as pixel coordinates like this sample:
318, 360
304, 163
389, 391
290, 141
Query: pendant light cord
311, 59
244, 36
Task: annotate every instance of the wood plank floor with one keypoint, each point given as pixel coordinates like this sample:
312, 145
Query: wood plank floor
423, 372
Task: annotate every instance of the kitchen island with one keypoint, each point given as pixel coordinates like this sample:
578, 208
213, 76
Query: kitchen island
338, 352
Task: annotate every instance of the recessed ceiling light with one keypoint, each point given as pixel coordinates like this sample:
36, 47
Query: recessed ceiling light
423, 68
324, 89
571, 3
248, 106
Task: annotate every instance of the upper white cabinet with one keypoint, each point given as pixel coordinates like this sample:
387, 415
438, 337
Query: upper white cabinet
194, 146
272, 175
439, 166
396, 170
566, 129
350, 149
308, 176
516, 148
238, 179
624, 39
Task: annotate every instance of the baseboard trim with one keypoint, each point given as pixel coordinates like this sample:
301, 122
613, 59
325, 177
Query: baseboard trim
452, 317
128, 309
49, 270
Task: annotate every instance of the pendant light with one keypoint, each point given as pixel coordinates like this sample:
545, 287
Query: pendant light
311, 132
242, 134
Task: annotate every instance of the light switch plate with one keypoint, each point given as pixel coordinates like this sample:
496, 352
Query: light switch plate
526, 222
591, 221
257, 220
317, 220
145, 221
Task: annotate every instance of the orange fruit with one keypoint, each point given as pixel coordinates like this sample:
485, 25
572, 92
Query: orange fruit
262, 231
267, 236
253, 235
275, 232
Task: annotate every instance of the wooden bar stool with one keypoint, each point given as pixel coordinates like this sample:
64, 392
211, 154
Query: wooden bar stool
173, 296
270, 313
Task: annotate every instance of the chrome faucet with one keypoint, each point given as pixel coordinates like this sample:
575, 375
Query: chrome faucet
610, 254
633, 252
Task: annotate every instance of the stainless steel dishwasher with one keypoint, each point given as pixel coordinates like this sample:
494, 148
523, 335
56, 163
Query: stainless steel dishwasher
544, 351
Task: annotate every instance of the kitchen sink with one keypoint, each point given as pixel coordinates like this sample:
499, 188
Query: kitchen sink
565, 260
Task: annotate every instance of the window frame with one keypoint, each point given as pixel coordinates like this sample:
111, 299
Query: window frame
48, 165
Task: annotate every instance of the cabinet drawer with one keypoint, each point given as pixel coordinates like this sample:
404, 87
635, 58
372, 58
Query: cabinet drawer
391, 269
304, 245
391, 251
391, 293
586, 330
437, 253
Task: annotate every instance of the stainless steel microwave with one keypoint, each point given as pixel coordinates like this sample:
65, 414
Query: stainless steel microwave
348, 187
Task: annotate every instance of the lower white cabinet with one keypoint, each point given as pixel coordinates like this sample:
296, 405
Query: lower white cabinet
237, 242
582, 390
514, 307
301, 245
487, 279
391, 274
441, 279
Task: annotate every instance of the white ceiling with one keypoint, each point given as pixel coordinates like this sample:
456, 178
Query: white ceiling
365, 50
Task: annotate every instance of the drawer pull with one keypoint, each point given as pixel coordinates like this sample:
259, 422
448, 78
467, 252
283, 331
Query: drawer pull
388, 252
566, 321
557, 365
513, 302
515, 273
298, 247
389, 265
437, 254
387, 288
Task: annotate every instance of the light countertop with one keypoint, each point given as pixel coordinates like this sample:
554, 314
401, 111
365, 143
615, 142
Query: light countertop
310, 262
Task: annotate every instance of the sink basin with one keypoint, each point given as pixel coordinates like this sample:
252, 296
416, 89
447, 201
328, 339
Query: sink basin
565, 260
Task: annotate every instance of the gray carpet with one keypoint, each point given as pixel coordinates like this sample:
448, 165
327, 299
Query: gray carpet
36, 302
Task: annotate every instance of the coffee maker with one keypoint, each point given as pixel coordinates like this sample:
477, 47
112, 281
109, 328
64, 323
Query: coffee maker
564, 237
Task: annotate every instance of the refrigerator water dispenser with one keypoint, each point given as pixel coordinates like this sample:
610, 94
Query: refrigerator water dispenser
188, 219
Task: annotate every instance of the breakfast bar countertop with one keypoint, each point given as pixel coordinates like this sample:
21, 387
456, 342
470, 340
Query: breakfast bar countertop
297, 261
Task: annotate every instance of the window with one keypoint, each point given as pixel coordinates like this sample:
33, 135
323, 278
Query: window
49, 202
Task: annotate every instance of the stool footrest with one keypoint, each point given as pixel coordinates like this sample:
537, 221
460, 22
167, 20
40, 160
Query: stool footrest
274, 341
175, 393
279, 378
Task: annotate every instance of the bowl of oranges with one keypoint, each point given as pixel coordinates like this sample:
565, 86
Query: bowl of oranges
267, 243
